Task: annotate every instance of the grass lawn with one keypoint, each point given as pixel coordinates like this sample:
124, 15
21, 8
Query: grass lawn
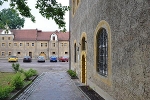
6, 78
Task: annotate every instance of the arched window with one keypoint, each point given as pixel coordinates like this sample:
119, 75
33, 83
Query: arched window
102, 52
83, 43
73, 7
75, 53
77, 2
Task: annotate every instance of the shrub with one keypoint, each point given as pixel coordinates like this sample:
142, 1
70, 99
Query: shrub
72, 73
30, 73
15, 67
17, 81
5, 91
21, 70
34, 72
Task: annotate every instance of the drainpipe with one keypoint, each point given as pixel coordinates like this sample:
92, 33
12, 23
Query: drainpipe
69, 40
48, 50
58, 48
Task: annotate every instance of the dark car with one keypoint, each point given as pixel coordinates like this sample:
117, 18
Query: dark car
41, 59
27, 59
53, 59
63, 59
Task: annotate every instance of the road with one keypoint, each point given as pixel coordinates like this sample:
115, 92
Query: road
47, 66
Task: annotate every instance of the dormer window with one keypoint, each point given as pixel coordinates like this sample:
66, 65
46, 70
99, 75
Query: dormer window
53, 38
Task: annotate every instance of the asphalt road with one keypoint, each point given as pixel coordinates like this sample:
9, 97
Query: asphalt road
41, 67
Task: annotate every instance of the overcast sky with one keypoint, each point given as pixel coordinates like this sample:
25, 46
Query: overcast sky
41, 22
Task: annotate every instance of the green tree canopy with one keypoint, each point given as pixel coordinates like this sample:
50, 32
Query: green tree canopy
11, 18
47, 8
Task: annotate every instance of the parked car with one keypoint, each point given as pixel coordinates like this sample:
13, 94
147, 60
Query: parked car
27, 59
53, 59
63, 59
13, 58
41, 59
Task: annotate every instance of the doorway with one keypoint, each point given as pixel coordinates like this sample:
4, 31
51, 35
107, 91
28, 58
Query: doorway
43, 54
30, 54
83, 70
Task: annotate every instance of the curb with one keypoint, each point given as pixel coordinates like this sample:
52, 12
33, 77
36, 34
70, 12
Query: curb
84, 93
78, 87
27, 89
20, 91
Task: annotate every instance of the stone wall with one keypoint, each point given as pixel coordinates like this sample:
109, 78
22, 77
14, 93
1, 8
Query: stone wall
129, 21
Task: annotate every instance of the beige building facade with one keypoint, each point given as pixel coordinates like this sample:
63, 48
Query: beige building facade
33, 43
110, 47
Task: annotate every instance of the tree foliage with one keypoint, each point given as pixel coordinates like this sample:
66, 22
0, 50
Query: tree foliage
47, 8
11, 18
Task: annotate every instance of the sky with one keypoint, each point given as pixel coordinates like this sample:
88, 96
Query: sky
41, 22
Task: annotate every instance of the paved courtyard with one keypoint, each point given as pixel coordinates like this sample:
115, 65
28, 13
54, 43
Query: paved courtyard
53, 83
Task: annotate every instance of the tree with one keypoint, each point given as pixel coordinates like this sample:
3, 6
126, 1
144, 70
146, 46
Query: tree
47, 8
11, 18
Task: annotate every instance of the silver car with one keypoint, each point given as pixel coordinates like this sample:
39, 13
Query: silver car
41, 59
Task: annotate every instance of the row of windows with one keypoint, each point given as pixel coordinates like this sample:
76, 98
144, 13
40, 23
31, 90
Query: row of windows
32, 44
3, 38
18, 53
63, 44
55, 53
15, 44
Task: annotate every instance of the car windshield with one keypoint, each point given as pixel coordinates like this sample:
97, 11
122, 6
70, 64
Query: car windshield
53, 57
12, 56
27, 57
41, 57
65, 57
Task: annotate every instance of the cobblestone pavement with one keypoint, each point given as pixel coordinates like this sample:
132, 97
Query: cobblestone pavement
54, 85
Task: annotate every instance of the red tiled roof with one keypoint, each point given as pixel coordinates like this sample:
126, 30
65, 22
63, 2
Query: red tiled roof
44, 35
63, 36
34, 34
25, 35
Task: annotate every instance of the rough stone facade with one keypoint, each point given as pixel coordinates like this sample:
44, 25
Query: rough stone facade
129, 22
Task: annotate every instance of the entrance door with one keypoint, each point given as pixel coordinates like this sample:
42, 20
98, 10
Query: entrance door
30, 54
43, 54
83, 70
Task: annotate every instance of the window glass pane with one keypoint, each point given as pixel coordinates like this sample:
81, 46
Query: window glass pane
102, 52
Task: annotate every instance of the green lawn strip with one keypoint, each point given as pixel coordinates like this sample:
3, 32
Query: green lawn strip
6, 78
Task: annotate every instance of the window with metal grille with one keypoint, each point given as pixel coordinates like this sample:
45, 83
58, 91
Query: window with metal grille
102, 52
